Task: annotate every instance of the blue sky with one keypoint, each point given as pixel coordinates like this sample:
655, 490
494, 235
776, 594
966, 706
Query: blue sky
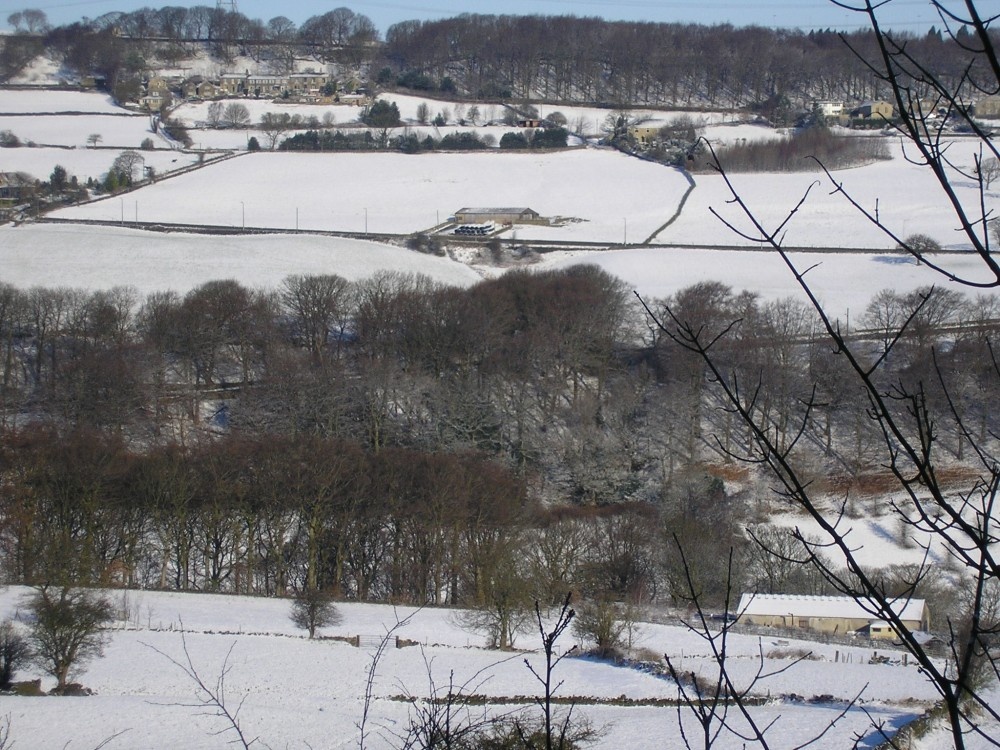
912, 15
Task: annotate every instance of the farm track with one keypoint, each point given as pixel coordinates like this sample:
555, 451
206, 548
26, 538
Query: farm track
680, 208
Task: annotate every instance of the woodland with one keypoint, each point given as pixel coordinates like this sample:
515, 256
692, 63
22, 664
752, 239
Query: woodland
396, 440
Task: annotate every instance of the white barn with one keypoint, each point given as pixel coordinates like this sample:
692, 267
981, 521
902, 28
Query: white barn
829, 614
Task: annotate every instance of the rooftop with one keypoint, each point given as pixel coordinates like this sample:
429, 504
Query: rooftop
508, 210
802, 605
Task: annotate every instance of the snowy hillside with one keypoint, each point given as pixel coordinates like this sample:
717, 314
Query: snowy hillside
104, 257
300, 693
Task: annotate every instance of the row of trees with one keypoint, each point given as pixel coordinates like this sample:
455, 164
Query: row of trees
272, 515
409, 142
339, 27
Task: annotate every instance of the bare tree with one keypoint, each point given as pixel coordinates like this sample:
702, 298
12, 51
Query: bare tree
35, 21
503, 609
423, 113
604, 623
319, 308
214, 114
67, 630
313, 609
274, 125
988, 170
125, 165
954, 518
235, 115
451, 715
14, 653
212, 699
371, 672
555, 732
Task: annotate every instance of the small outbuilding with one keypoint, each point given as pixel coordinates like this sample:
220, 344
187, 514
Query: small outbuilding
829, 614
988, 106
497, 216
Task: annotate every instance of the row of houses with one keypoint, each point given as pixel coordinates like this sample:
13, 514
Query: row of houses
308, 87
831, 111
988, 107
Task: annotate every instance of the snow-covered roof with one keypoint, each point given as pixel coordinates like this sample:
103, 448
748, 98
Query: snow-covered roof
515, 210
15, 179
801, 605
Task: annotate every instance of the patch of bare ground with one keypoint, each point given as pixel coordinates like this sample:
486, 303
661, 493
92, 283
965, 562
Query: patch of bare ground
729, 472
877, 484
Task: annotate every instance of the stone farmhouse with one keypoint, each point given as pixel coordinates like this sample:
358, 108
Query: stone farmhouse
156, 92
836, 615
644, 134
15, 187
198, 87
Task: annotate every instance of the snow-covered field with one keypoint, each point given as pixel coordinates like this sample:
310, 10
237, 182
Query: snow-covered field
844, 282
84, 163
905, 196
601, 192
23, 102
55, 128
104, 257
301, 693
606, 196
614, 197
125, 131
588, 120
42, 71
731, 133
